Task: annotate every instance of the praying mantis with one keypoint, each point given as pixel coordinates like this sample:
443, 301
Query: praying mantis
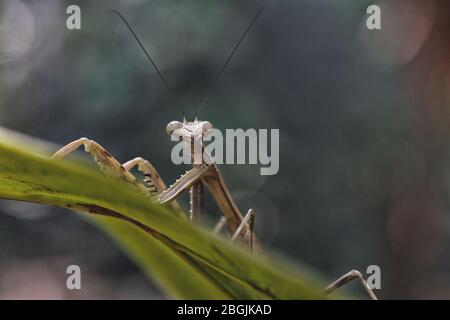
204, 174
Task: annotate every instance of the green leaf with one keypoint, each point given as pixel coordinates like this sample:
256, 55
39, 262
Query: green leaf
186, 260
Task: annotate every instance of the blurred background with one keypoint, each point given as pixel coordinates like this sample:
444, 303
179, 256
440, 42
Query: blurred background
363, 116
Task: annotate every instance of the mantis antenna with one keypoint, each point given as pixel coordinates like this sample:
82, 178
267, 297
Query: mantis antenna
148, 56
228, 60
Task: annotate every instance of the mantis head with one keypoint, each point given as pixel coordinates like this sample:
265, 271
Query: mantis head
189, 131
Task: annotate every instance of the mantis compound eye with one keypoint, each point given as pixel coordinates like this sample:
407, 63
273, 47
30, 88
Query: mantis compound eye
206, 127
172, 126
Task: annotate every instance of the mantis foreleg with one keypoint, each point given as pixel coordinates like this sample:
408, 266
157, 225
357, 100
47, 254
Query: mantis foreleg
102, 157
153, 181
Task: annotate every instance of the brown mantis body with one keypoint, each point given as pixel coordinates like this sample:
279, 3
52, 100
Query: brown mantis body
204, 174
240, 227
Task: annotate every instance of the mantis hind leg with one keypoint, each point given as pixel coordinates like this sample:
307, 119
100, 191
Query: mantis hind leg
346, 278
220, 224
246, 226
